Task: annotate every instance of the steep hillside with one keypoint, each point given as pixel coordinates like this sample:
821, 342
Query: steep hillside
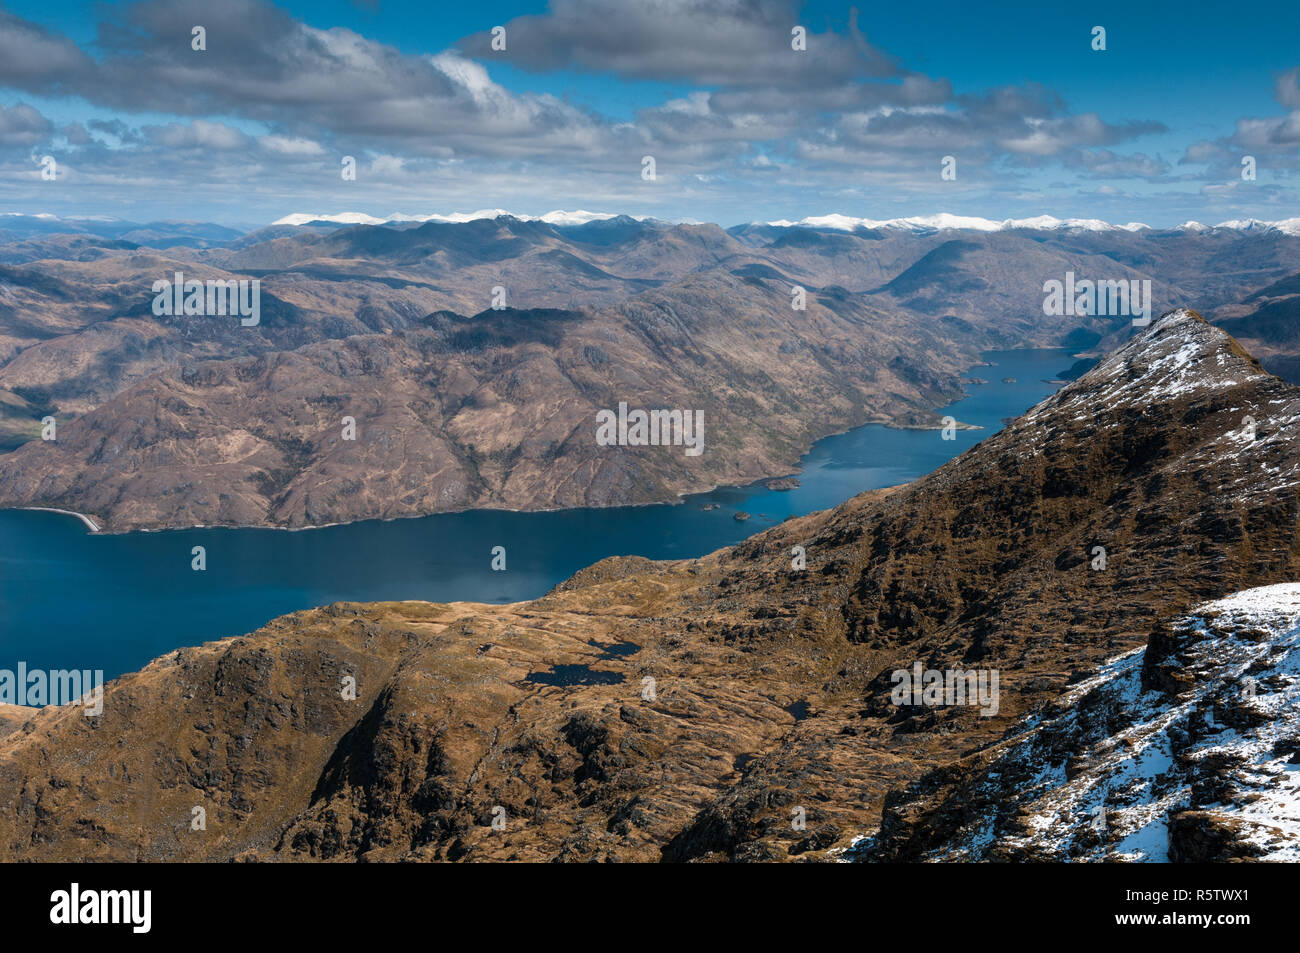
733, 707
1268, 322
896, 314
1186, 750
497, 410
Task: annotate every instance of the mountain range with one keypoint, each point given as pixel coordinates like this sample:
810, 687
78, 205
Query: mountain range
21, 224
473, 356
741, 706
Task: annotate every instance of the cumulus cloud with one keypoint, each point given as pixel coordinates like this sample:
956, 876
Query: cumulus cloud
35, 59
198, 134
1103, 163
705, 42
1288, 89
291, 147
261, 64
21, 125
1273, 140
1021, 125
290, 98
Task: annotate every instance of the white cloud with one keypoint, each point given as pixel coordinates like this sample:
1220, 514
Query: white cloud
286, 146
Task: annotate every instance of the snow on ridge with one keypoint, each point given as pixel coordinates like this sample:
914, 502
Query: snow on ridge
942, 221
1182, 357
1177, 355
559, 217
1288, 226
1103, 775
1255, 631
579, 217
1276, 607
342, 218
939, 222
1102, 778
945, 221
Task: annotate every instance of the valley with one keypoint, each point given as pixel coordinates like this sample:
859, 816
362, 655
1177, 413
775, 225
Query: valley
182, 420
253, 575
743, 692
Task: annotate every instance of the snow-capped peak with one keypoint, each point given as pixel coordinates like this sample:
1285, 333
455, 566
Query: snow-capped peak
1177, 355
1245, 225
1288, 226
341, 218
558, 217
945, 222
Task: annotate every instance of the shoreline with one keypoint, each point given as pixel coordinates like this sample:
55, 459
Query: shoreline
679, 498
89, 523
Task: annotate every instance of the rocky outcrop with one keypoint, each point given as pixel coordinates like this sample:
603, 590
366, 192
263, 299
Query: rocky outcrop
735, 707
1183, 751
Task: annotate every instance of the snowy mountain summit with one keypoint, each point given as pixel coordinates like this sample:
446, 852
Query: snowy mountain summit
1187, 750
1183, 745
1182, 364
945, 221
1178, 355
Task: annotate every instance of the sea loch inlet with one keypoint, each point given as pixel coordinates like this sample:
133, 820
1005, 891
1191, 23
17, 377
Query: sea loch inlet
253, 575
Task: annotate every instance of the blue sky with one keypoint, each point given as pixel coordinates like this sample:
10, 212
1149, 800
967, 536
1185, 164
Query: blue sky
742, 128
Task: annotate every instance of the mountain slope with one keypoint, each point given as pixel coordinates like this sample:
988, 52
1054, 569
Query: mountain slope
1268, 322
897, 313
1186, 750
694, 710
497, 410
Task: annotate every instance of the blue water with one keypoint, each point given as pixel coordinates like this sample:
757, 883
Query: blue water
72, 599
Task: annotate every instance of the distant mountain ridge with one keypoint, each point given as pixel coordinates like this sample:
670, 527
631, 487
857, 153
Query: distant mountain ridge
650, 307
17, 225
558, 217
942, 221
947, 222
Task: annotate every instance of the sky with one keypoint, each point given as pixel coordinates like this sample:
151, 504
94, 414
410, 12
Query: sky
1026, 116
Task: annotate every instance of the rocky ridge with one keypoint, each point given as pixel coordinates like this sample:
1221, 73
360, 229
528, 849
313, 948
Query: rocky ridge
696, 709
1185, 750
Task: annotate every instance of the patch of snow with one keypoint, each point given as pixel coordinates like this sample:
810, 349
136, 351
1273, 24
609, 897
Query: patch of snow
558, 217
341, 218
945, 221
1136, 752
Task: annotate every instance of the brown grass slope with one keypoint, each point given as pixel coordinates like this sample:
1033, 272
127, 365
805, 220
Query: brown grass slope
770, 686
498, 410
